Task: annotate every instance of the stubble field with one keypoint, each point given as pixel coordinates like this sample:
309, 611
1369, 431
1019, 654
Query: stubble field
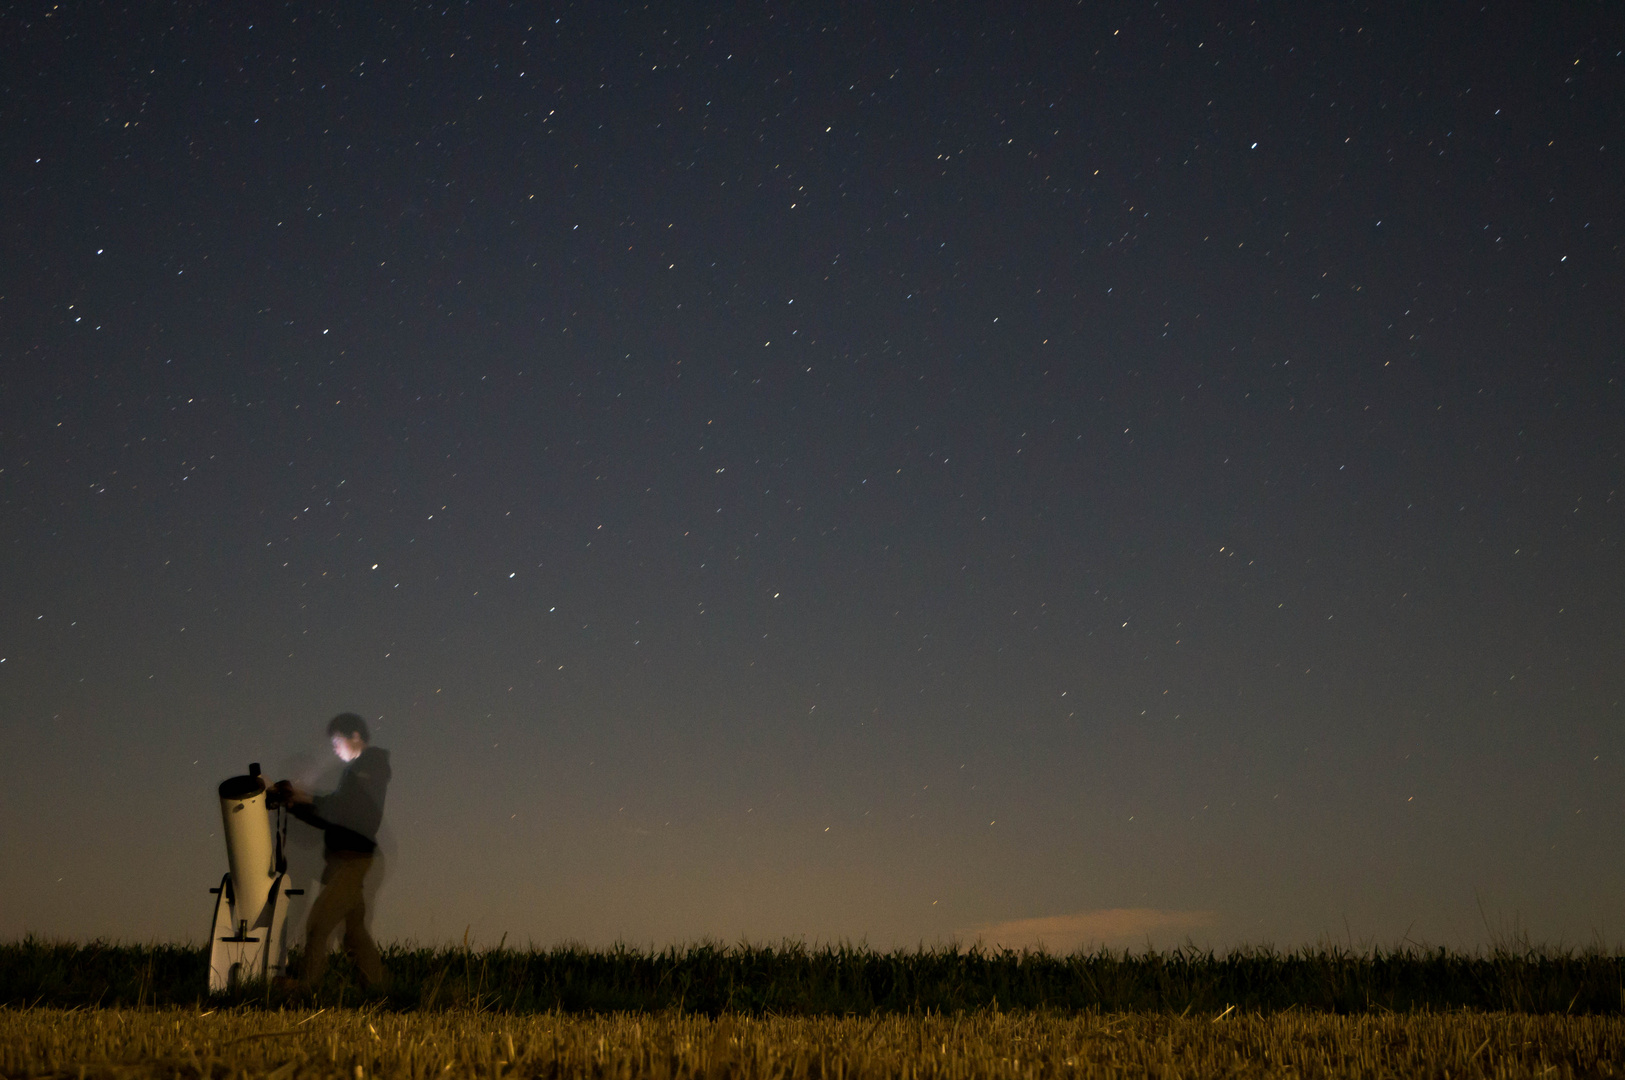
111, 1012
358, 1044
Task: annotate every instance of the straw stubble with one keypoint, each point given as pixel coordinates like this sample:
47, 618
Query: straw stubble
372, 1045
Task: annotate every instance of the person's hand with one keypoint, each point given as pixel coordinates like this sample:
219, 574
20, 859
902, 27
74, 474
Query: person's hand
287, 794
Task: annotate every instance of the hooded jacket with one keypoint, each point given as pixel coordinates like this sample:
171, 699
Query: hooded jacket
350, 815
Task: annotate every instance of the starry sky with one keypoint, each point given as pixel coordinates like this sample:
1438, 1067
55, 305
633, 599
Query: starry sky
1113, 473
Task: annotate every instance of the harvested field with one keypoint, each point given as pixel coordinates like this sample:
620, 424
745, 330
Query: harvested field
185, 1044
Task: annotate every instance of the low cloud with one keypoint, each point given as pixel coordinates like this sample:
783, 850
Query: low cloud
1111, 927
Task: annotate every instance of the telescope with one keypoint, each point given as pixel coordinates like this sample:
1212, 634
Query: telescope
248, 941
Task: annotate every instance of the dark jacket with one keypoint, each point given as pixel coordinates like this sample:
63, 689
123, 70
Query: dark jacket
349, 817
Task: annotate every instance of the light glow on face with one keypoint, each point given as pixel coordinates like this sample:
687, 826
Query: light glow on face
347, 748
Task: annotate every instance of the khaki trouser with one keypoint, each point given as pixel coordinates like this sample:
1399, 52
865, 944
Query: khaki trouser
342, 901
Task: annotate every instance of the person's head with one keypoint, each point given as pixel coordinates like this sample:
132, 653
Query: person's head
349, 735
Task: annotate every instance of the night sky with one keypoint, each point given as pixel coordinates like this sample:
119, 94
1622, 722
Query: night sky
1101, 474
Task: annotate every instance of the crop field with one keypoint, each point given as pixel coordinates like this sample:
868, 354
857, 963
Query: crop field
797, 980
369, 1044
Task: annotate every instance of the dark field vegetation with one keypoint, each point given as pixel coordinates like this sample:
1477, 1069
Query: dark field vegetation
368, 1044
853, 981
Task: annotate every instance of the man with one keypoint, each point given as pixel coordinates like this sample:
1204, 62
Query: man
349, 818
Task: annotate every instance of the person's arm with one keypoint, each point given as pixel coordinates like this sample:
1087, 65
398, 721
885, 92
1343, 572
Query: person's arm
300, 803
290, 795
306, 812
358, 804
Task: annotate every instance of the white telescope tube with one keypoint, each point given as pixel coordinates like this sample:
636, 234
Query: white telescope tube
248, 845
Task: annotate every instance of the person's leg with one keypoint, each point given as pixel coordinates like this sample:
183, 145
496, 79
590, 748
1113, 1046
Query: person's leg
341, 895
325, 915
359, 942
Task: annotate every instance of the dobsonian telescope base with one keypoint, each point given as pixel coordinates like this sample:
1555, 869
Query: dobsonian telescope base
241, 952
